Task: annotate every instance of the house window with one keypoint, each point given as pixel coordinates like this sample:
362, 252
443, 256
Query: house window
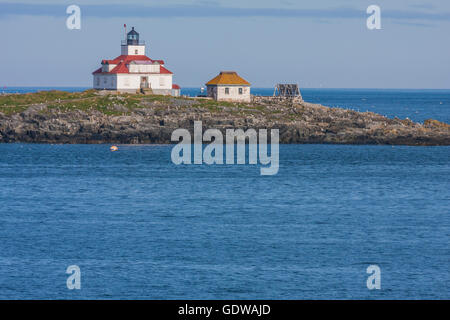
97, 80
135, 51
240, 90
161, 82
227, 90
105, 80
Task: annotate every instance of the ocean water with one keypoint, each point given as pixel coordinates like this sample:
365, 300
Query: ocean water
140, 227
417, 105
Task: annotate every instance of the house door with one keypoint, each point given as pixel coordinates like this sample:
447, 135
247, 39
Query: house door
144, 82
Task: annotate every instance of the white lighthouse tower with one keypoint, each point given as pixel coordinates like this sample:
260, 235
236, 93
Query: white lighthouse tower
134, 72
132, 45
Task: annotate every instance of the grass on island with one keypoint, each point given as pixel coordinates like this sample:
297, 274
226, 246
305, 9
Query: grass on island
112, 103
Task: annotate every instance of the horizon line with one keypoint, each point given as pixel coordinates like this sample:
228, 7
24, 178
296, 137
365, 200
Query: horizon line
2, 87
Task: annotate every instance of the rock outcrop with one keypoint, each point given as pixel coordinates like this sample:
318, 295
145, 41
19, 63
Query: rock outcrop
152, 119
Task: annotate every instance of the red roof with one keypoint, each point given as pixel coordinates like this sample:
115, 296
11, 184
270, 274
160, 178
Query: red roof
122, 61
175, 86
128, 58
120, 68
164, 70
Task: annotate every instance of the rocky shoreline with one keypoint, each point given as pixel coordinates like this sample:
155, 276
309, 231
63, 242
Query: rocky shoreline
93, 117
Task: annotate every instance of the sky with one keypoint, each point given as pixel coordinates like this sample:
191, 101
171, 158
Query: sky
318, 44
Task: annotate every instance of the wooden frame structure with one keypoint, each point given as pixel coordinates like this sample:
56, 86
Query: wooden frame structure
286, 90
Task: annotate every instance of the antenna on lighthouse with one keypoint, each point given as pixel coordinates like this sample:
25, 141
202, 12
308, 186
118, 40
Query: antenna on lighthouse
125, 26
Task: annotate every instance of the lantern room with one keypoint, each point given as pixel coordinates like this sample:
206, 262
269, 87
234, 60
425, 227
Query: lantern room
133, 37
132, 45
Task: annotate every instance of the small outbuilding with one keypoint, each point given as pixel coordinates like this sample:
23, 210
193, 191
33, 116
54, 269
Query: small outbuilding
228, 86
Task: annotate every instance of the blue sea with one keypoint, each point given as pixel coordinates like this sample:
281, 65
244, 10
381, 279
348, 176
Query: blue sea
140, 227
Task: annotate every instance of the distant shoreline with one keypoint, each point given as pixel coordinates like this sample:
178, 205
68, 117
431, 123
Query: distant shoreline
82, 88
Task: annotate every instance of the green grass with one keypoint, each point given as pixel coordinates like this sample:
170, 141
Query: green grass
118, 104
42, 97
16, 103
66, 101
11, 109
101, 103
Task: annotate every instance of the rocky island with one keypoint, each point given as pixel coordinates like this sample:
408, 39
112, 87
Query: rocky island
102, 117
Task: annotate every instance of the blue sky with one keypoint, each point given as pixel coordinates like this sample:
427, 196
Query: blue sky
322, 43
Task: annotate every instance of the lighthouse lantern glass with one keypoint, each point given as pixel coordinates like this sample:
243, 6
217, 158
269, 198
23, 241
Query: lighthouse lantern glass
133, 37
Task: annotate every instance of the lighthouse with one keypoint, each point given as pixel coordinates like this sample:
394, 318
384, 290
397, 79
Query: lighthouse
132, 45
134, 72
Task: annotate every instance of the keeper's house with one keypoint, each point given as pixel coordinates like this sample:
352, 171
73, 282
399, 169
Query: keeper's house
133, 71
228, 86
